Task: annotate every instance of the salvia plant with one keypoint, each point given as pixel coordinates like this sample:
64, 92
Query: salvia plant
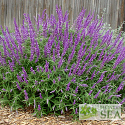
54, 66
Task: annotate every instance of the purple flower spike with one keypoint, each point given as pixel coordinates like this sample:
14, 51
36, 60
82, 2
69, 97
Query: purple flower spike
37, 68
4, 89
61, 90
18, 86
122, 101
47, 66
84, 85
24, 72
31, 69
73, 80
97, 94
90, 92
74, 102
120, 87
50, 71
53, 107
40, 96
3, 76
54, 81
76, 111
54, 68
73, 94
66, 109
26, 95
39, 108
61, 111
76, 90
41, 68
53, 91
48, 76
67, 89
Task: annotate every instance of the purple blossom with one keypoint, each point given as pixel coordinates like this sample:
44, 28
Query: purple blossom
11, 66
66, 109
91, 68
73, 94
3, 76
37, 51
76, 111
122, 101
11, 90
84, 85
53, 107
24, 72
53, 91
106, 90
54, 81
38, 68
115, 95
48, 76
84, 67
26, 95
93, 85
25, 79
76, 90
93, 75
101, 54
31, 69
40, 96
59, 78
112, 77
61, 90
61, 111
90, 92
71, 55
73, 80
50, 71
101, 77
77, 65
18, 86
120, 87
97, 94
98, 72
47, 66
54, 68
104, 60
41, 68
39, 108
60, 62
68, 87
74, 102
4, 89
36, 82
109, 90
87, 57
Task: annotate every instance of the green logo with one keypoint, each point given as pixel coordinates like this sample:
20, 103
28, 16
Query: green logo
87, 112
99, 112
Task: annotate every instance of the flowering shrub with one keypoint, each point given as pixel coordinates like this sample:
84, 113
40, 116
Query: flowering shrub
55, 68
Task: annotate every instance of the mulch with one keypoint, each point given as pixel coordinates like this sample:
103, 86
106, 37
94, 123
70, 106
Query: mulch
24, 117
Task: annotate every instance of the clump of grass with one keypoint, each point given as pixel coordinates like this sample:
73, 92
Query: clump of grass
55, 68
